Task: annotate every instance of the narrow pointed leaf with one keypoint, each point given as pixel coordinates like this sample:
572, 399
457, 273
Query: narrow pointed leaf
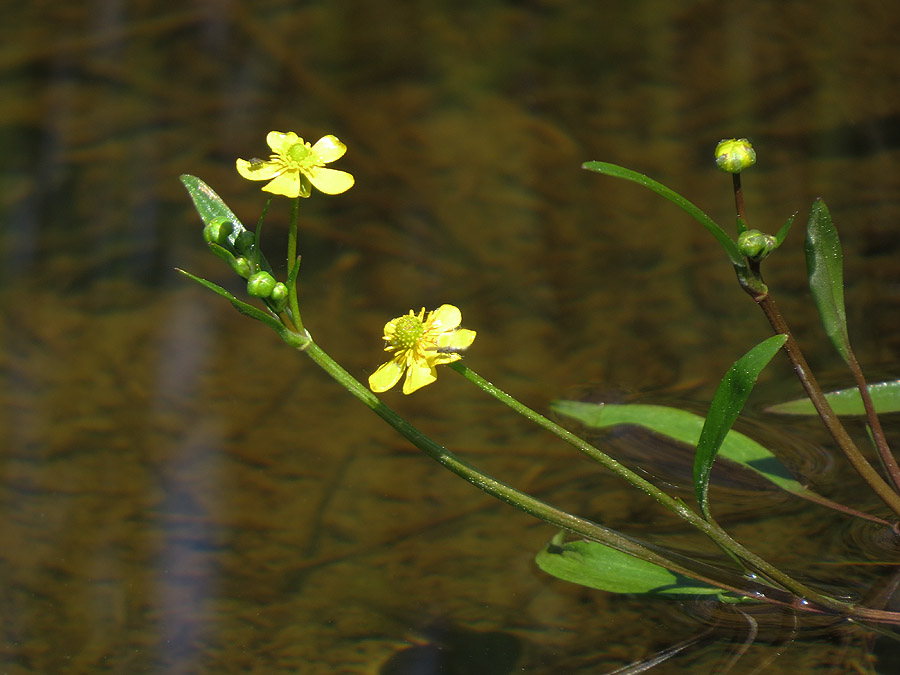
726, 405
211, 208
824, 266
684, 427
627, 174
241, 306
210, 205
596, 565
885, 397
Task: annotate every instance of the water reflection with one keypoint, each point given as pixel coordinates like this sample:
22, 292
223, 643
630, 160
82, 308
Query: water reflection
179, 494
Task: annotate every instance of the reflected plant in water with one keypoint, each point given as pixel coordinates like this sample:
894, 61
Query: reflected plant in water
599, 557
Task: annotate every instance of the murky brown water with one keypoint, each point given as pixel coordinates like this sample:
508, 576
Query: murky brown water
181, 493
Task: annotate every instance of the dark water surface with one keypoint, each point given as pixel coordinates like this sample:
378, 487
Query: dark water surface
180, 493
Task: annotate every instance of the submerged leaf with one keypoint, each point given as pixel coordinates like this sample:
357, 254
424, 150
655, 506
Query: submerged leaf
595, 565
684, 427
885, 397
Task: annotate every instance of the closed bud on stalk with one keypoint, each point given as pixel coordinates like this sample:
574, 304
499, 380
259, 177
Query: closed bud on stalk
261, 285
734, 155
756, 245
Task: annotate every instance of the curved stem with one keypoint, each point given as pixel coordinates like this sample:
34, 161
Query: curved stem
713, 531
521, 500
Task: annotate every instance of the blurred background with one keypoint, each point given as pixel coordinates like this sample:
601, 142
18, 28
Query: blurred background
179, 492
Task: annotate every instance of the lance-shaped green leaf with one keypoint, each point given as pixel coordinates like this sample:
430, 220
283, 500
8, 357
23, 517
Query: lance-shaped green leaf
595, 565
212, 209
726, 405
621, 172
210, 205
684, 427
885, 397
824, 266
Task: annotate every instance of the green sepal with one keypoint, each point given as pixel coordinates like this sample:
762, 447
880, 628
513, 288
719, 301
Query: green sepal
783, 232
885, 398
596, 565
824, 266
729, 400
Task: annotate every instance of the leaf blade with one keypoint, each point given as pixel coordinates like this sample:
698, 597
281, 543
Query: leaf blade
684, 204
726, 405
824, 266
684, 427
595, 565
885, 398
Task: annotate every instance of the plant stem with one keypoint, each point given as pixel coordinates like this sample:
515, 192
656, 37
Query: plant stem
293, 260
829, 417
520, 500
884, 451
739, 201
713, 531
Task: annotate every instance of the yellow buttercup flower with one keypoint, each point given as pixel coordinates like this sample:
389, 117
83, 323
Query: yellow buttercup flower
294, 165
420, 343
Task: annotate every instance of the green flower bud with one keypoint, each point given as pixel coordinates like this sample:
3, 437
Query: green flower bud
241, 266
261, 285
734, 155
279, 297
217, 231
756, 245
244, 242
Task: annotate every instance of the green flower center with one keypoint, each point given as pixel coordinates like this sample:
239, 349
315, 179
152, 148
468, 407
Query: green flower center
407, 332
302, 156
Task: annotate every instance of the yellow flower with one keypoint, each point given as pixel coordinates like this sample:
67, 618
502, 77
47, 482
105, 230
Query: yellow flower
419, 344
294, 164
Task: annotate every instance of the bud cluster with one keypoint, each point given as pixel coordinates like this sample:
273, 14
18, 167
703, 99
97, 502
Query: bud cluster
237, 247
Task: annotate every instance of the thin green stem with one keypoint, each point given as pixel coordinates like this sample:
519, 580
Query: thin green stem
722, 538
293, 262
512, 496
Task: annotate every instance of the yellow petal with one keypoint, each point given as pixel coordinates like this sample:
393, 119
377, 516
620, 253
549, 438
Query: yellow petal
287, 184
418, 375
257, 170
387, 375
446, 317
458, 339
329, 148
280, 142
330, 181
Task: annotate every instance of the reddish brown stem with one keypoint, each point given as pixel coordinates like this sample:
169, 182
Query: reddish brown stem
887, 457
830, 419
